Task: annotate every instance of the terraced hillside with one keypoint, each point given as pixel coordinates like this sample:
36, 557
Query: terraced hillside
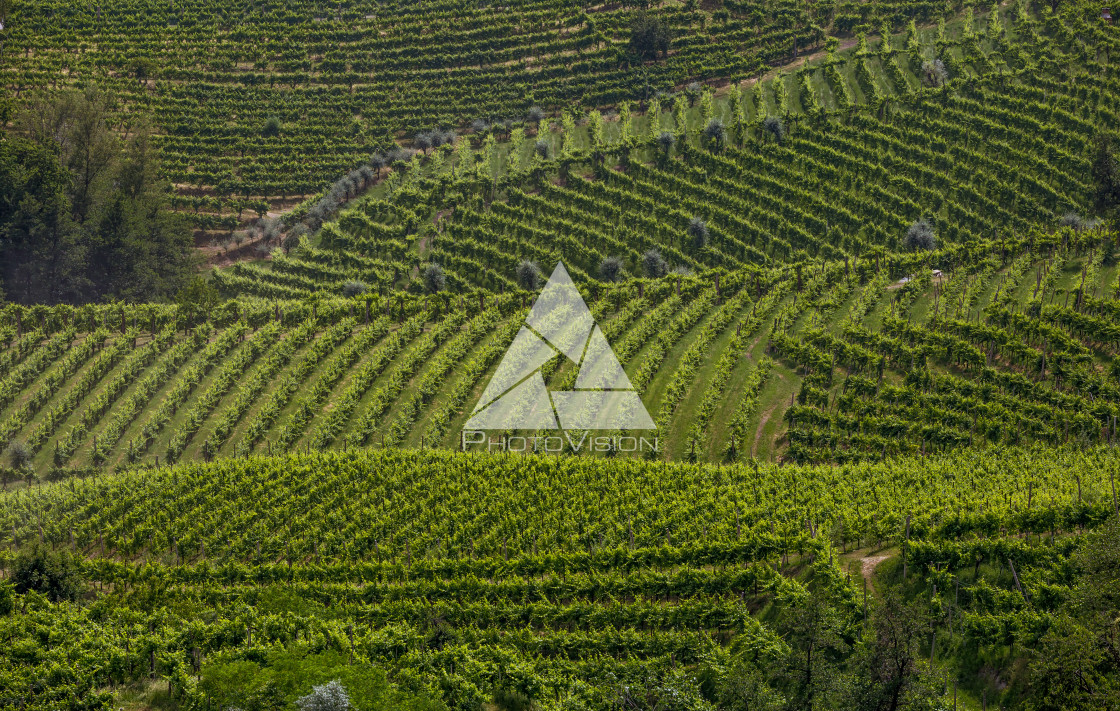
832, 161
340, 80
566, 581
859, 260
1012, 342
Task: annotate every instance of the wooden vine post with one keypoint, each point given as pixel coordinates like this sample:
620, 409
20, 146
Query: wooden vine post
906, 549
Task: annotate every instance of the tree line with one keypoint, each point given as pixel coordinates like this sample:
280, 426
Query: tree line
84, 211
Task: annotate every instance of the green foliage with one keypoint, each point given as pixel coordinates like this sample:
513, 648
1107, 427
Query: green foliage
7, 599
433, 278
650, 36
196, 299
292, 678
1077, 663
19, 454
52, 573
887, 670
1106, 175
85, 215
611, 269
528, 275
427, 598
271, 127
573, 582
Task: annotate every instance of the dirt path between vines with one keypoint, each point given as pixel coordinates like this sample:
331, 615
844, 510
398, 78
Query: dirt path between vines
801, 59
869, 564
762, 424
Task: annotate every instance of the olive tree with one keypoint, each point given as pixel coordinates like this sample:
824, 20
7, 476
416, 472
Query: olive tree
19, 454
716, 134
528, 275
665, 141
611, 269
698, 233
934, 72
354, 288
422, 141
271, 127
920, 236
774, 126
654, 264
1072, 220
292, 239
433, 278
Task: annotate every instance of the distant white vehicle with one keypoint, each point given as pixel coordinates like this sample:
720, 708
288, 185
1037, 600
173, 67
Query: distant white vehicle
936, 274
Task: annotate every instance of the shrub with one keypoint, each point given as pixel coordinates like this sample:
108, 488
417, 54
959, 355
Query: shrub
920, 236
354, 288
331, 696
535, 115
649, 37
271, 127
52, 573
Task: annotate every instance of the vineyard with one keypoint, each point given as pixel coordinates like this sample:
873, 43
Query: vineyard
858, 261
831, 161
1009, 343
566, 580
344, 79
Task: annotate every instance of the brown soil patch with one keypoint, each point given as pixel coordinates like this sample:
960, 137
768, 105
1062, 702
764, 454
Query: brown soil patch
869, 563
